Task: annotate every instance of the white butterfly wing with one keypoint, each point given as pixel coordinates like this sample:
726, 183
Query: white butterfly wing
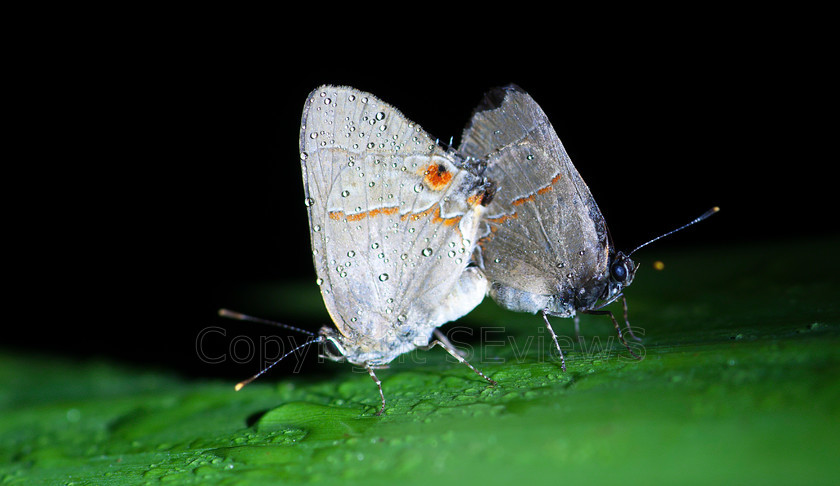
393, 219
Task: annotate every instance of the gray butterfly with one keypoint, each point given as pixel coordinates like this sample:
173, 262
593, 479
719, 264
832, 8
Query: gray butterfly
545, 247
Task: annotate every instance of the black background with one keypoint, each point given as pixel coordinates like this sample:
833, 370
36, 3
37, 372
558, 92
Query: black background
160, 175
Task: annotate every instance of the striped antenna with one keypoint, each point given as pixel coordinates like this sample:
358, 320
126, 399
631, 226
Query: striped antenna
242, 317
694, 221
249, 380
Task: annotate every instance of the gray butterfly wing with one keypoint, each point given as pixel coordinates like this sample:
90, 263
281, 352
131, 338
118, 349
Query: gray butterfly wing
545, 236
393, 221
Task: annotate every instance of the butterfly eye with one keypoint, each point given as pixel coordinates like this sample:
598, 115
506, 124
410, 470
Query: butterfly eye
619, 272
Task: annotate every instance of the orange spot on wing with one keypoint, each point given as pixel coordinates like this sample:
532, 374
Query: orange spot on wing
437, 177
544, 190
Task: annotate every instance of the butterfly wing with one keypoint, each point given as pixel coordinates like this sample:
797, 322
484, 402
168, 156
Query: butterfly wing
545, 235
393, 219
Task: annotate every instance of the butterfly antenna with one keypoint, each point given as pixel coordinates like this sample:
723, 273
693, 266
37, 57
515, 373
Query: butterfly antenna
694, 221
242, 317
249, 380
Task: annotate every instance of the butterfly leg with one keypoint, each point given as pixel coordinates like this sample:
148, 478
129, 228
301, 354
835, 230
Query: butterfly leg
378, 385
442, 338
456, 354
627, 321
617, 328
556, 344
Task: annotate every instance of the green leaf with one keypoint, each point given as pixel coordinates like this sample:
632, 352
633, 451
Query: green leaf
740, 383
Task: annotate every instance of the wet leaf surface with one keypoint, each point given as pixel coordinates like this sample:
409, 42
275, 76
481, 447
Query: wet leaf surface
740, 382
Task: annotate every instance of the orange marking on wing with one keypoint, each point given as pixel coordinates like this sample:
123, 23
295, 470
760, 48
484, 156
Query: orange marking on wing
446, 221
523, 200
541, 191
475, 199
416, 216
390, 210
435, 212
356, 217
338, 215
502, 219
437, 177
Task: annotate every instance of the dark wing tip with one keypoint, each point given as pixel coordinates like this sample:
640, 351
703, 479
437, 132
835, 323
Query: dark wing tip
495, 97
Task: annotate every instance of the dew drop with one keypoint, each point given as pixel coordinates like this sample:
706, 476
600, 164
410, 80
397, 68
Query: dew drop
316, 228
313, 135
426, 252
374, 246
327, 101
345, 193
351, 253
380, 116
308, 202
319, 281
418, 187
303, 155
383, 277
451, 253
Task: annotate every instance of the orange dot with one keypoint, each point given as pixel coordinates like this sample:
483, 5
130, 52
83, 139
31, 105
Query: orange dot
437, 177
